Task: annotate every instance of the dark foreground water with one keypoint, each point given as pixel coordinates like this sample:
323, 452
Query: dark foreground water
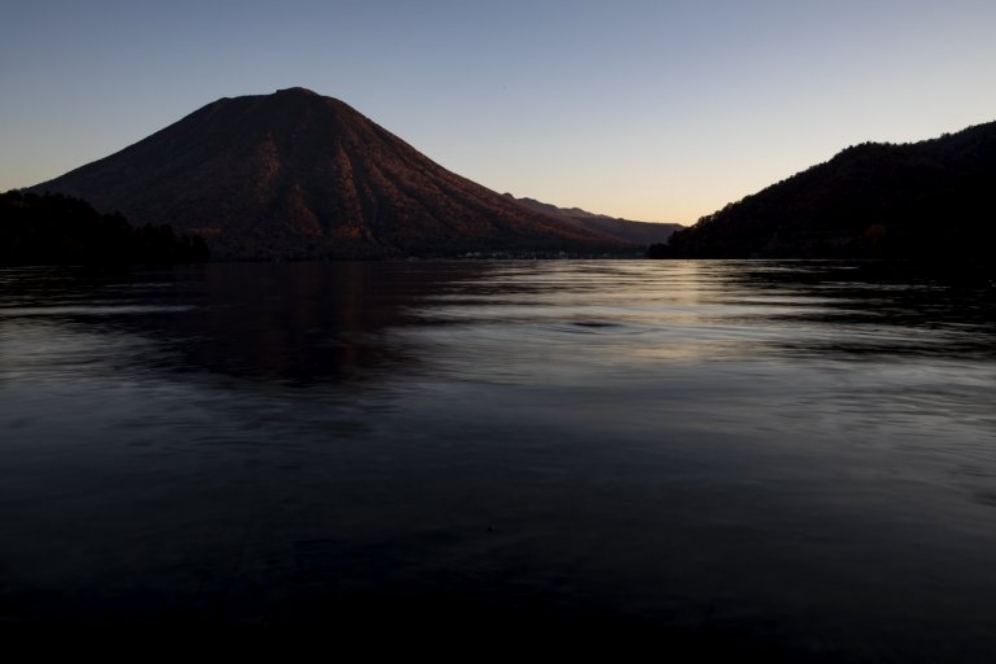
790, 458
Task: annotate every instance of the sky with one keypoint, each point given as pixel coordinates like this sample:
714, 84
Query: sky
644, 109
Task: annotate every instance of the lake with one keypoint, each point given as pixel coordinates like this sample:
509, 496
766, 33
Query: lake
789, 458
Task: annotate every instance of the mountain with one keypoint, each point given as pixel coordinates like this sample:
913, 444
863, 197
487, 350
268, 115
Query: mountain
296, 175
625, 230
931, 199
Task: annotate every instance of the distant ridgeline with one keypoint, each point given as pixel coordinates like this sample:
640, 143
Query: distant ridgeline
47, 229
932, 199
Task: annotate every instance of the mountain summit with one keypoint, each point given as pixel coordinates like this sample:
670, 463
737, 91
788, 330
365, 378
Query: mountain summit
296, 175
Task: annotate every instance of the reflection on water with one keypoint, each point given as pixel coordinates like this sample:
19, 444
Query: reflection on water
790, 456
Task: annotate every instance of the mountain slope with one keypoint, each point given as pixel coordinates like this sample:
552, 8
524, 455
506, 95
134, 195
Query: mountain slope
927, 199
625, 230
296, 175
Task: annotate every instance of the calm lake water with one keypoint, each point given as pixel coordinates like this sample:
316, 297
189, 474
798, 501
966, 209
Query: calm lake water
797, 458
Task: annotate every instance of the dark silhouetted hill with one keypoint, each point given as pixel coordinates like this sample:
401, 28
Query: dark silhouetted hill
54, 229
932, 199
295, 175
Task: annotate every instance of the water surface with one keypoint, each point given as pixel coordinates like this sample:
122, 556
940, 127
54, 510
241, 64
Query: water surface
795, 457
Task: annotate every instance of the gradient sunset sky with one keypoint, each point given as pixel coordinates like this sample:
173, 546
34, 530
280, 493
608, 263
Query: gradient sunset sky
653, 110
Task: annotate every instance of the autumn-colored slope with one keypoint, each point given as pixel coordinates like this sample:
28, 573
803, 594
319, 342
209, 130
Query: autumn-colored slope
296, 175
